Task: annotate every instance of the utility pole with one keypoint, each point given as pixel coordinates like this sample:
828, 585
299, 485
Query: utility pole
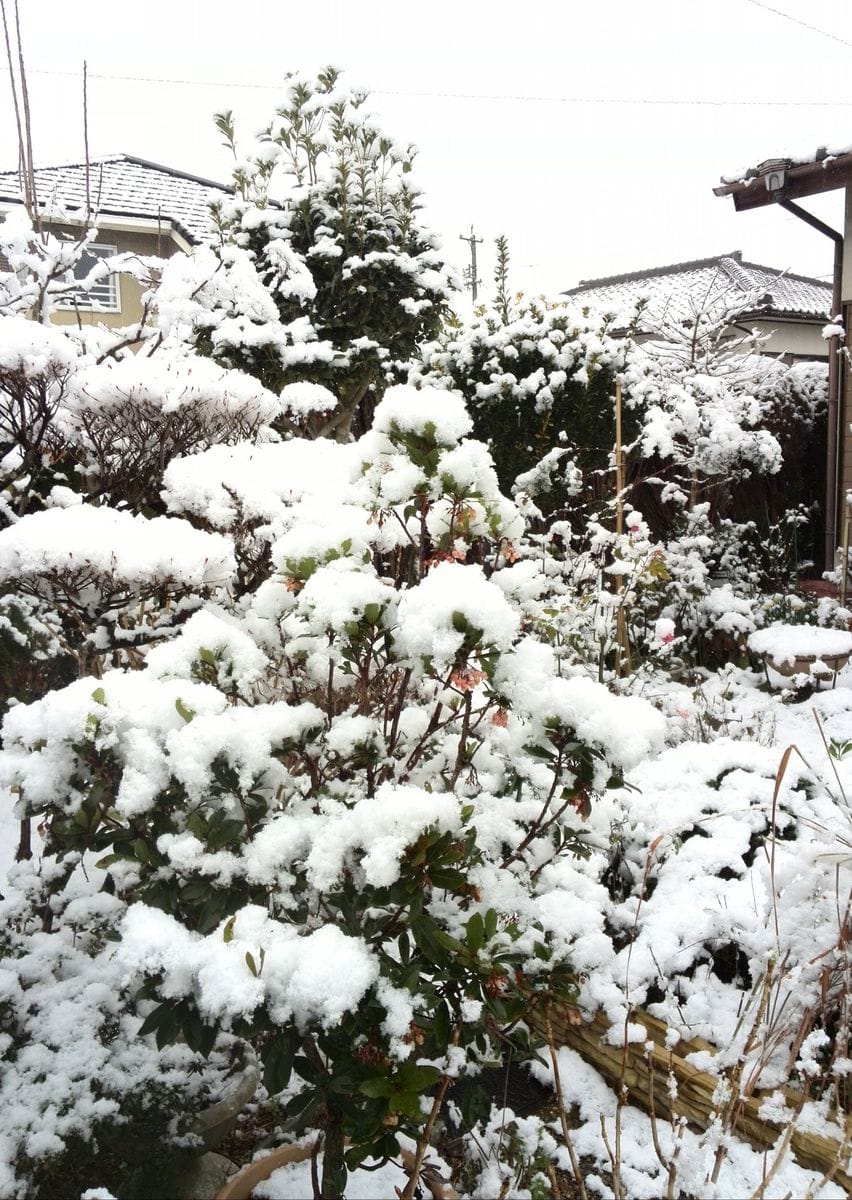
470, 272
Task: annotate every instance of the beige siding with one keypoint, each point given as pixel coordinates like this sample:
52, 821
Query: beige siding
130, 292
796, 338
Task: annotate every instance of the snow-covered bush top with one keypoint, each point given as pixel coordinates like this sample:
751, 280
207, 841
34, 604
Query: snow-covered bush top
258, 481
171, 384
100, 547
441, 418
36, 352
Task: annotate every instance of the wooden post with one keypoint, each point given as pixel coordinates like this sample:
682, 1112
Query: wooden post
622, 654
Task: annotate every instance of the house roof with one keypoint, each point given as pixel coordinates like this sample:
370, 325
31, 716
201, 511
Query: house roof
676, 289
789, 178
121, 185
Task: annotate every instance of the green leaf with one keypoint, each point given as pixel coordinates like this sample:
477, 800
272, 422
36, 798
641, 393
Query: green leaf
251, 964
404, 948
474, 1102
214, 908
460, 624
278, 1056
377, 1088
475, 932
156, 1017
442, 1024
142, 852
424, 930
109, 859
447, 877
183, 710
193, 1031
207, 656
99, 695
228, 931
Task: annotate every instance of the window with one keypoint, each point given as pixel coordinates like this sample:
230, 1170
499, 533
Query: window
101, 296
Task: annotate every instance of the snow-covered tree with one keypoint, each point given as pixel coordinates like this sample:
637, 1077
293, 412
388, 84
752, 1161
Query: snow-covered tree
322, 269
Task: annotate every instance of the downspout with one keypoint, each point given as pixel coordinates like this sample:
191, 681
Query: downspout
832, 453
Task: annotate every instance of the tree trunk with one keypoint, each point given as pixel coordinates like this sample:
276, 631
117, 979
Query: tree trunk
352, 392
333, 1166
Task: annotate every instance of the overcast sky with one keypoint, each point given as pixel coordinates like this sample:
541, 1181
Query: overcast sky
562, 124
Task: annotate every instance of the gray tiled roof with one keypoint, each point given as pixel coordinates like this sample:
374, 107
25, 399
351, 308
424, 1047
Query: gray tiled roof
680, 288
123, 186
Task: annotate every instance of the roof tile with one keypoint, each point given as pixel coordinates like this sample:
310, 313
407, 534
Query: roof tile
675, 290
122, 185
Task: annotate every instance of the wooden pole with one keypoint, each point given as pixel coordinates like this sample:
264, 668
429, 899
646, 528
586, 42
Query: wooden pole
622, 654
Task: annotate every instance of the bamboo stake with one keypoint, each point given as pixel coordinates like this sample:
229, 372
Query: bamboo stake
622, 656
619, 463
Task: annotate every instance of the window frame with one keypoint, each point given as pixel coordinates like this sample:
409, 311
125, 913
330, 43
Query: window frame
80, 301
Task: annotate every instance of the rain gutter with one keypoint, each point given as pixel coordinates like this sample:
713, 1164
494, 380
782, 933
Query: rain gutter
832, 456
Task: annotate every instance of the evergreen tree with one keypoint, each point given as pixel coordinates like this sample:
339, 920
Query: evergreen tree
327, 221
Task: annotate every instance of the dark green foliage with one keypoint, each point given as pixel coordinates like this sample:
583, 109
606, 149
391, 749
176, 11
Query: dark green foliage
350, 217
543, 383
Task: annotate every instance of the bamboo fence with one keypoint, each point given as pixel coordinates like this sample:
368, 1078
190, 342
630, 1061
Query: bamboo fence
646, 1075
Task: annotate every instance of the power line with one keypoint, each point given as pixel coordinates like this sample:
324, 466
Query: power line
489, 96
804, 24
631, 100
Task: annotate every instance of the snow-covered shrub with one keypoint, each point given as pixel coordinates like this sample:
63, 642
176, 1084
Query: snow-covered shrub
111, 579
540, 391
37, 367
76, 1076
327, 815
706, 421
126, 420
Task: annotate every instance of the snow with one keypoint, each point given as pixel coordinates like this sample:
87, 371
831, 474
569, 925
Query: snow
261, 480
306, 398
210, 641
786, 643
378, 654
384, 825
106, 544
318, 976
428, 413
626, 726
453, 603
